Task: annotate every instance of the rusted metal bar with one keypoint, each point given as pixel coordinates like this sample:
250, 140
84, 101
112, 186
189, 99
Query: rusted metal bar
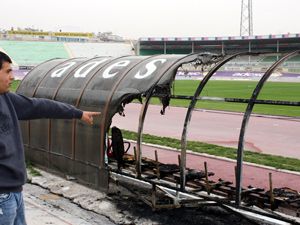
235, 172
134, 153
271, 191
179, 160
153, 196
206, 179
157, 165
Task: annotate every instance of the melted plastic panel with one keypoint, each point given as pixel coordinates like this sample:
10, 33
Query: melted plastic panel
33, 78
141, 78
95, 80
28, 86
51, 82
169, 75
40, 128
87, 145
69, 92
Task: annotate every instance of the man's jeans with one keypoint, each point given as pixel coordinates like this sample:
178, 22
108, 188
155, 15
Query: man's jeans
12, 209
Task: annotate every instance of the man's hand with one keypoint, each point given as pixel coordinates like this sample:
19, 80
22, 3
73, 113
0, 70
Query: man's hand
88, 116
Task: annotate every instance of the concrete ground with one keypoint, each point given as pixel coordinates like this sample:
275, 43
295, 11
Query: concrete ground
54, 200
43, 207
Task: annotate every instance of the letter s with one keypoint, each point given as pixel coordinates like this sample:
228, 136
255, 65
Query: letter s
150, 68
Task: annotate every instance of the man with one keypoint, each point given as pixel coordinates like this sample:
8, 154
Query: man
14, 107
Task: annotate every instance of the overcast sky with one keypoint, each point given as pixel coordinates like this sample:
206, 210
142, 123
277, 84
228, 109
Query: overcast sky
151, 18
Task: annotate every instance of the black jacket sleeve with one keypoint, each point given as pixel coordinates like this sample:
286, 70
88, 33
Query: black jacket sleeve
37, 108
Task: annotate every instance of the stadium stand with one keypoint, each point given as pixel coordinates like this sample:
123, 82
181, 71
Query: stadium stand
29, 53
270, 59
295, 59
32, 53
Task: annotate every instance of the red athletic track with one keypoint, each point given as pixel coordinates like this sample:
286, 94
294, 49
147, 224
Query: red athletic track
272, 135
224, 169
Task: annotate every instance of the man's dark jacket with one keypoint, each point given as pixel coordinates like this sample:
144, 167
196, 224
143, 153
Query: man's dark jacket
14, 107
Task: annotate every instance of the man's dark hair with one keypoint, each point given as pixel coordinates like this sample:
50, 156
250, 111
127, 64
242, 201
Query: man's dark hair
4, 58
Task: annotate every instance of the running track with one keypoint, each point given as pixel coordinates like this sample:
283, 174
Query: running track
272, 135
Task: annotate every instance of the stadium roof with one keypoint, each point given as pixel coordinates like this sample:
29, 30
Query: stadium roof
223, 38
226, 45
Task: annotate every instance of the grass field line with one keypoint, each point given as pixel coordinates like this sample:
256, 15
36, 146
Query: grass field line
273, 161
290, 118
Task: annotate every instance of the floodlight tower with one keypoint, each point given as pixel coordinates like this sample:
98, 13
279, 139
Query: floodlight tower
246, 26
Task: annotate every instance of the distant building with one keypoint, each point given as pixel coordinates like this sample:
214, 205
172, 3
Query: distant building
109, 36
31, 34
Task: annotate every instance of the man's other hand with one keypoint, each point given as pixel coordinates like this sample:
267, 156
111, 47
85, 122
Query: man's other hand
88, 117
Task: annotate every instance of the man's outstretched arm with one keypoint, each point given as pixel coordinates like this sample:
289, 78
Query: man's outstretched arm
38, 108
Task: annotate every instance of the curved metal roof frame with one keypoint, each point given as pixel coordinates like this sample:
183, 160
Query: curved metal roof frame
245, 121
191, 108
144, 108
247, 114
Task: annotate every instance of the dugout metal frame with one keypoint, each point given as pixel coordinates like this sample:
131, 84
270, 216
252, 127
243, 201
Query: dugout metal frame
106, 85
